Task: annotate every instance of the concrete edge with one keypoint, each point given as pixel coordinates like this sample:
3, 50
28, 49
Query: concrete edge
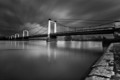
103, 68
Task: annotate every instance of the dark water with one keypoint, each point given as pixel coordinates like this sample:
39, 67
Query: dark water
38, 60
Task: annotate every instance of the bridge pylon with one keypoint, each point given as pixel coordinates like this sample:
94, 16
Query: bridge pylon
12, 37
25, 34
17, 36
49, 37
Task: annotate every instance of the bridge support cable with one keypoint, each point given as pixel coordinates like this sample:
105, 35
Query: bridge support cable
93, 24
63, 25
35, 33
38, 31
32, 28
45, 31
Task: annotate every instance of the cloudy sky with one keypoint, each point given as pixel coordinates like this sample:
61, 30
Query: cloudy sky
74, 13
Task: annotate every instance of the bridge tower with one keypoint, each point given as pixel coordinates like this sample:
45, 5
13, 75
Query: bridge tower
25, 34
51, 38
12, 37
17, 36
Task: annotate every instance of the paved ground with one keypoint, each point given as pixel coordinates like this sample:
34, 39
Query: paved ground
108, 66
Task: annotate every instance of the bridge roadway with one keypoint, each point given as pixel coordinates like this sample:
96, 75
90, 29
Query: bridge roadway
79, 32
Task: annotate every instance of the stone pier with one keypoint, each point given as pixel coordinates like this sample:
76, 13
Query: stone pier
51, 38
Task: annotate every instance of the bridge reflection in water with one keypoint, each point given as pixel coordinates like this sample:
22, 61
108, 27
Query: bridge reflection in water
38, 60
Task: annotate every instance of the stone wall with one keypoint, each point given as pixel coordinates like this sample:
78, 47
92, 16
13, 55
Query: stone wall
104, 67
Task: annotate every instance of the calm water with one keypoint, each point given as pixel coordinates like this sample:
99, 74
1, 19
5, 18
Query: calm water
38, 60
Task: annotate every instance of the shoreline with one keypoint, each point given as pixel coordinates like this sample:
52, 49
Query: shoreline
103, 69
89, 70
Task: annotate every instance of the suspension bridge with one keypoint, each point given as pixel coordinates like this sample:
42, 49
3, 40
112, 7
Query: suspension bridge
54, 29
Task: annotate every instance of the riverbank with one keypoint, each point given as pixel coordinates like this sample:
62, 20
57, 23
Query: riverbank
108, 66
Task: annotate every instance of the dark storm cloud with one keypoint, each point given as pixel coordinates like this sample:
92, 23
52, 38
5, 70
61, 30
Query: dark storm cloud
18, 12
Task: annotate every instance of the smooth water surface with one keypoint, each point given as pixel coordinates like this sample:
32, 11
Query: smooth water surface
39, 60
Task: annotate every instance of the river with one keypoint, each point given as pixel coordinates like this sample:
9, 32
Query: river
39, 60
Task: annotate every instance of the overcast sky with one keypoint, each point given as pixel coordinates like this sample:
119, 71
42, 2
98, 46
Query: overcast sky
75, 13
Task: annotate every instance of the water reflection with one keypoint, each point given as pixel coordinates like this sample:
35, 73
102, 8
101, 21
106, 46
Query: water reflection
47, 61
51, 50
13, 45
79, 45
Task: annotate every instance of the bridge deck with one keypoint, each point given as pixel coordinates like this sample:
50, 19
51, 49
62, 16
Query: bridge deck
81, 32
